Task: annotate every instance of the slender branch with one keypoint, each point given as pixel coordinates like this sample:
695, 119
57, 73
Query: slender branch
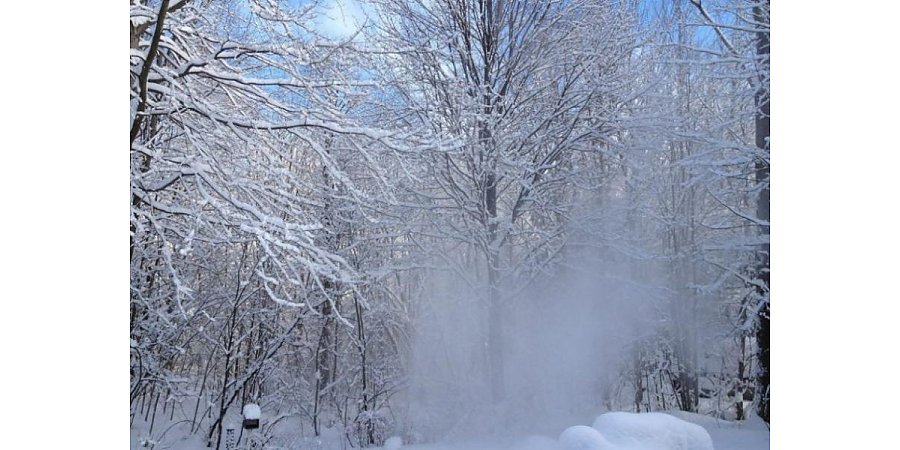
145, 70
715, 26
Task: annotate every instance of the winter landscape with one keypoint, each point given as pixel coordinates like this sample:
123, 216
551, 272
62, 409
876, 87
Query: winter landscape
449, 224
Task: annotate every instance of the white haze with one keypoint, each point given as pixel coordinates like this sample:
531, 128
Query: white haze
565, 340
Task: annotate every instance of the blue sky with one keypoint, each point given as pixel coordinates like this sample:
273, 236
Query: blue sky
340, 18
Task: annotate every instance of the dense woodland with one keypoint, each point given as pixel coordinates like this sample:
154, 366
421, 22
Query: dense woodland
498, 206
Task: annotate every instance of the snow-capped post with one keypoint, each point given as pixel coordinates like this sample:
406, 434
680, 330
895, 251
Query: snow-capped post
251, 416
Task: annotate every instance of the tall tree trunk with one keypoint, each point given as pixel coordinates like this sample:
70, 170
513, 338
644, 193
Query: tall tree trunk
326, 350
495, 315
760, 15
489, 160
361, 347
323, 357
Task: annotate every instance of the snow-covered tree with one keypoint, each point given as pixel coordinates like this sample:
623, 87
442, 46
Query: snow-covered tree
522, 95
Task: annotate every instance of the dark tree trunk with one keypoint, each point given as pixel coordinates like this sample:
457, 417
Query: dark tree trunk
361, 346
760, 14
324, 349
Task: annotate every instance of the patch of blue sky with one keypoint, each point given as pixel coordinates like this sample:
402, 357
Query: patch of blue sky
341, 19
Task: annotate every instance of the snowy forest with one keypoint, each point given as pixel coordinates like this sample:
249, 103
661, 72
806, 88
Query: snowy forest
449, 224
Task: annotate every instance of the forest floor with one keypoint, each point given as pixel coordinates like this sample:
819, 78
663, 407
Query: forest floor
752, 434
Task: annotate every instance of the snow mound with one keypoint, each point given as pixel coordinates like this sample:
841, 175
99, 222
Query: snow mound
581, 437
393, 443
251, 411
655, 431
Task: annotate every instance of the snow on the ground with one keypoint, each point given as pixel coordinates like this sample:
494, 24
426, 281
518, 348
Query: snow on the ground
536, 442
393, 443
752, 434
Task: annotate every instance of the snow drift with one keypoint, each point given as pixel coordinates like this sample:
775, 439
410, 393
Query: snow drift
650, 431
